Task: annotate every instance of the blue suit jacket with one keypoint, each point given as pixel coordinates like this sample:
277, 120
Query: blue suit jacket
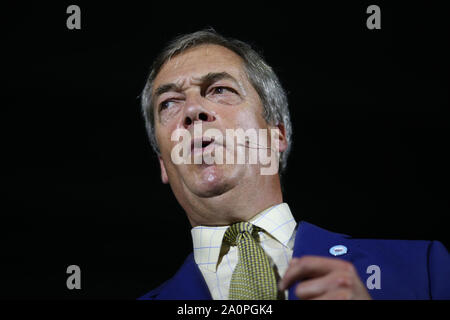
409, 269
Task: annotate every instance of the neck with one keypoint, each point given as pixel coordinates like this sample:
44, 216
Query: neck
240, 203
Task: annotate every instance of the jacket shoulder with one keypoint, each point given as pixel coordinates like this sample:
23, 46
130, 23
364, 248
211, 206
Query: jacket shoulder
155, 293
409, 269
398, 247
187, 283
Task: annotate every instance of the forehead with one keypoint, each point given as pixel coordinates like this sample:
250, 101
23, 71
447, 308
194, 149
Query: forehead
198, 61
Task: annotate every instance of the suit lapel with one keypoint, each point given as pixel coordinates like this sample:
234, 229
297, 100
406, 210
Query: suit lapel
312, 240
187, 284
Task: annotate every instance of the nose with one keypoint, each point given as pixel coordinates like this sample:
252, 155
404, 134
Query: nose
196, 112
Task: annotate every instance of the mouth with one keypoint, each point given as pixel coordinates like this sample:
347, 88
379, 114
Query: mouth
200, 145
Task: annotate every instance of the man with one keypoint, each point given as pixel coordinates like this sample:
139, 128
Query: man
246, 242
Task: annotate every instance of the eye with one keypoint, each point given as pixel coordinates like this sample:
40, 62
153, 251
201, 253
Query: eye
165, 104
222, 90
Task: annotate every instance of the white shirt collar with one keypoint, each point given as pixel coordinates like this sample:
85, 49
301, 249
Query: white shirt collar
277, 221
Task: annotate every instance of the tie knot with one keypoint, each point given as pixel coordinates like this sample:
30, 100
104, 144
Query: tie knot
232, 234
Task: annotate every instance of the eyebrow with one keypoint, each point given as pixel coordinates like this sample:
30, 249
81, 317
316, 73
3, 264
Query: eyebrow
167, 88
216, 76
207, 79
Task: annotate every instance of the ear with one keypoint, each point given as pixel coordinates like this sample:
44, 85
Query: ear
164, 177
283, 144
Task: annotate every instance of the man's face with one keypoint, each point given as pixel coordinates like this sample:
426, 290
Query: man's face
208, 84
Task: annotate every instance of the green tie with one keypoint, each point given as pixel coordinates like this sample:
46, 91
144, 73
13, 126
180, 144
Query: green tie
253, 278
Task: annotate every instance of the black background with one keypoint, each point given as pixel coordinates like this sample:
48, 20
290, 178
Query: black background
80, 184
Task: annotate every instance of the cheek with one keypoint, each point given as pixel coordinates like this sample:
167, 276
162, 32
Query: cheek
163, 137
170, 115
246, 115
251, 115
249, 118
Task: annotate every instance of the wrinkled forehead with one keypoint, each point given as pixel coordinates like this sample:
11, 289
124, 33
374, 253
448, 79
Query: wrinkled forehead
198, 61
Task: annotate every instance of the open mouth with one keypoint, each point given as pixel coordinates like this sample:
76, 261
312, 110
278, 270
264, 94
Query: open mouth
201, 144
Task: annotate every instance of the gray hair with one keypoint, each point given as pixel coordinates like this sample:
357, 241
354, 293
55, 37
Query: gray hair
259, 73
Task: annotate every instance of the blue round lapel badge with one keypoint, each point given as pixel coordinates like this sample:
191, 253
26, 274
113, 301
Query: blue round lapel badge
338, 250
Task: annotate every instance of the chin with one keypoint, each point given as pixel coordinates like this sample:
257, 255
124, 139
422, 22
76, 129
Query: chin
213, 180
